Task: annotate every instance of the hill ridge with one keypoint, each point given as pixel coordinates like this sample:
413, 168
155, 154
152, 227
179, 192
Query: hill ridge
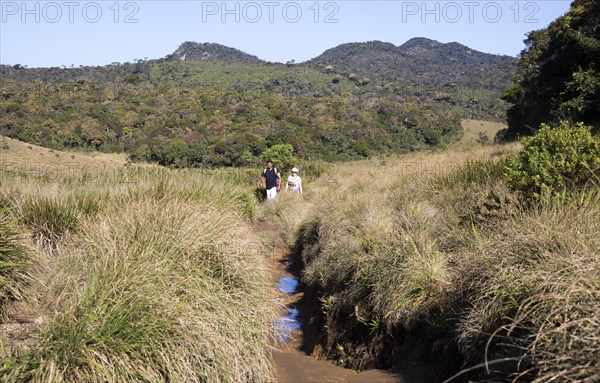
190, 50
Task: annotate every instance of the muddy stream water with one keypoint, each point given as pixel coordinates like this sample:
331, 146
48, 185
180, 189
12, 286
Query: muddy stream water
292, 365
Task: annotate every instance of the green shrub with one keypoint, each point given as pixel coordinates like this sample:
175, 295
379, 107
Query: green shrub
554, 162
281, 155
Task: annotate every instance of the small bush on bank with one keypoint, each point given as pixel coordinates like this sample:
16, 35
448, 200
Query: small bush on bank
555, 162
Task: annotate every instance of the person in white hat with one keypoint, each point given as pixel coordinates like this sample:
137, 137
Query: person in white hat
294, 182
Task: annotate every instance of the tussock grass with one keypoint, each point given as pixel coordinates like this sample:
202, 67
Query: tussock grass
289, 211
14, 263
155, 276
438, 246
138, 303
545, 291
49, 219
378, 227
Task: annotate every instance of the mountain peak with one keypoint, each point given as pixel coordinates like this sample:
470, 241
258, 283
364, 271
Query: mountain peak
419, 60
192, 51
419, 45
420, 41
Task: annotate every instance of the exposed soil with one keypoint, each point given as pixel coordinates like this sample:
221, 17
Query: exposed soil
17, 326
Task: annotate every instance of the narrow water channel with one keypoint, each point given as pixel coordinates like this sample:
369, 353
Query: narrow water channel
291, 364
289, 320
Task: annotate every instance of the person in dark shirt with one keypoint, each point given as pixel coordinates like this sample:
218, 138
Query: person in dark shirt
271, 180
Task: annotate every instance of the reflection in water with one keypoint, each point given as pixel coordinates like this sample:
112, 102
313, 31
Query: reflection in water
288, 285
285, 325
289, 321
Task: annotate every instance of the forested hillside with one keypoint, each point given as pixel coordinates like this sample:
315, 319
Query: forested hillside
210, 103
419, 61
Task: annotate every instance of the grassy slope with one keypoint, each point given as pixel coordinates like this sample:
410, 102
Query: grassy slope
426, 256
39, 161
152, 276
474, 129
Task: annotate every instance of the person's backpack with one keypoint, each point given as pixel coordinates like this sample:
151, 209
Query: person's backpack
265, 171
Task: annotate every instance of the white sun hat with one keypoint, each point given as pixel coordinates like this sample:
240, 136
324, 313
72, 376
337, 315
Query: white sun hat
294, 170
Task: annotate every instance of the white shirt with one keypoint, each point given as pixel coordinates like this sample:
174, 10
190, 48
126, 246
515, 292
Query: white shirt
294, 182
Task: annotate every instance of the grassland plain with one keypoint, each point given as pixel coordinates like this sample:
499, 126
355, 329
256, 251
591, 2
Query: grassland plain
129, 273
422, 257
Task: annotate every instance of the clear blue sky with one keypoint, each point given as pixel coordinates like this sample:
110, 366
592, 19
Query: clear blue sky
55, 33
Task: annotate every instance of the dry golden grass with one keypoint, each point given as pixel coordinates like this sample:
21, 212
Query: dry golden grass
37, 161
289, 211
188, 301
380, 175
477, 130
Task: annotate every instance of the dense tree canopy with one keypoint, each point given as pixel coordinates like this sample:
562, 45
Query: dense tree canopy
557, 77
191, 114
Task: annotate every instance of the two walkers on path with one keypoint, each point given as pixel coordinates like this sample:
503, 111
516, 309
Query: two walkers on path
271, 181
